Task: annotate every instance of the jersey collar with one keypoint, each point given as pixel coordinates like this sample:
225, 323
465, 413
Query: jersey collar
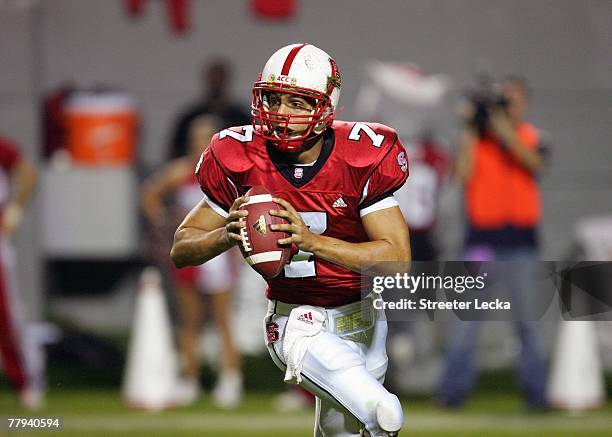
298, 176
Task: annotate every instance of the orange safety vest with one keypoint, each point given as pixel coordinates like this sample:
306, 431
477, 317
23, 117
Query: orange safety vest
500, 191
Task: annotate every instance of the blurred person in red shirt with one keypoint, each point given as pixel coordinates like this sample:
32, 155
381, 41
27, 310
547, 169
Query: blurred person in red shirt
21, 358
418, 200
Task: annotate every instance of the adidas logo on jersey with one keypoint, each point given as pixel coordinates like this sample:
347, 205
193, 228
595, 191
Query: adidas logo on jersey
306, 318
340, 203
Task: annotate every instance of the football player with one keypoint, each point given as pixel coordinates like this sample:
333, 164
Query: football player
334, 183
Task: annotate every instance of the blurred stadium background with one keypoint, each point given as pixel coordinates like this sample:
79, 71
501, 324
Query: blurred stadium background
82, 246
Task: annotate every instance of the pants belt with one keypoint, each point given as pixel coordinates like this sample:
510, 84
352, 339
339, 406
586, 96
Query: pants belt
343, 320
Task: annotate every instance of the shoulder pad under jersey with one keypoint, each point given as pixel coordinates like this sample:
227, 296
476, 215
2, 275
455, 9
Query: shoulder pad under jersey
363, 144
237, 149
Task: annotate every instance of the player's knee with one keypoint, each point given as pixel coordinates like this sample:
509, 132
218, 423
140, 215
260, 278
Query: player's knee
389, 414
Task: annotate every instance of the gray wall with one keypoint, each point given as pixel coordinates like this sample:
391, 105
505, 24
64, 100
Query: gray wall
563, 46
19, 82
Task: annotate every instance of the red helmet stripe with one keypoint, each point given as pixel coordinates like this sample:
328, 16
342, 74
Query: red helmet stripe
290, 57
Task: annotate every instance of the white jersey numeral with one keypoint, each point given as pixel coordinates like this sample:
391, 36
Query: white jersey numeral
243, 138
303, 265
377, 139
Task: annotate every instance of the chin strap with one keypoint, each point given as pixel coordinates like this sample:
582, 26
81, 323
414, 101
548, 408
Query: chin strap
309, 142
306, 144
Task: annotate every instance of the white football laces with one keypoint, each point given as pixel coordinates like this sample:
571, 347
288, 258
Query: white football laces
246, 244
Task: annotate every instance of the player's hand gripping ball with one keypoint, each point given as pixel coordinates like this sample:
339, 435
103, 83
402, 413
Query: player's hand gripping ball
259, 245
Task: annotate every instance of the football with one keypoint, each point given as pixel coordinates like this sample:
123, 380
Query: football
259, 245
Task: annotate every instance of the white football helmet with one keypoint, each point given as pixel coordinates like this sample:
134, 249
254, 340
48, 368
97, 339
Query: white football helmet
303, 70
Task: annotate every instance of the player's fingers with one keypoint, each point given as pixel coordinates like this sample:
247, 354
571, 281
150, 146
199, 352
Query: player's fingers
234, 233
287, 240
285, 214
235, 215
238, 202
235, 225
285, 205
234, 237
284, 228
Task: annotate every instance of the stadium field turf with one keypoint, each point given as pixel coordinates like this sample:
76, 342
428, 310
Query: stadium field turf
102, 413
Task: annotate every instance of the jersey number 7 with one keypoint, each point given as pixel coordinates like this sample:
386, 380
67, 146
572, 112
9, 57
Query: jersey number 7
355, 135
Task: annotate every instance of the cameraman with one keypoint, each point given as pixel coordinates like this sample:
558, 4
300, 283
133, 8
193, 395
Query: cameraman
499, 159
494, 125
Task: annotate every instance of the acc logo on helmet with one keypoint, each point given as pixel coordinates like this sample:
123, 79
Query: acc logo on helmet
282, 79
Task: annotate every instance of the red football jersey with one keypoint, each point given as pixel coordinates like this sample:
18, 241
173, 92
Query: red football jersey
9, 154
360, 164
9, 158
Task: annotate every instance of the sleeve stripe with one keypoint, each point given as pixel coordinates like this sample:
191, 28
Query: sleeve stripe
387, 202
388, 193
364, 193
218, 209
233, 185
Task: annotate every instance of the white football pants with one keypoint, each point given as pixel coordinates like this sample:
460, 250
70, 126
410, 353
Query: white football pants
344, 373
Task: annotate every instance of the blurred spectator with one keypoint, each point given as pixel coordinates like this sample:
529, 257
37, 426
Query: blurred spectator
499, 160
21, 358
418, 199
403, 95
215, 78
412, 346
215, 279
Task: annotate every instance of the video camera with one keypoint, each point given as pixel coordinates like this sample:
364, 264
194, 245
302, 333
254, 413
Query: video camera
484, 98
